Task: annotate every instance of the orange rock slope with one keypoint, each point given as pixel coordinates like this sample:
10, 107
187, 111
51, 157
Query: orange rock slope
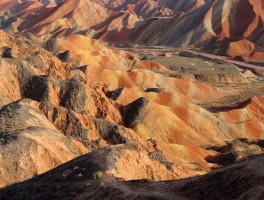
176, 103
102, 116
54, 110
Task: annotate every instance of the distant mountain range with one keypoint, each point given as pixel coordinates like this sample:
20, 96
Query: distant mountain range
217, 26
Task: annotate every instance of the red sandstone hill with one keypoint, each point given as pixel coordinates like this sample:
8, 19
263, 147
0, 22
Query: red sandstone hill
213, 24
70, 96
204, 24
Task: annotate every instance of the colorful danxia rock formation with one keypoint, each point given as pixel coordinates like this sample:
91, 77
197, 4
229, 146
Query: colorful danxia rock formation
217, 26
111, 99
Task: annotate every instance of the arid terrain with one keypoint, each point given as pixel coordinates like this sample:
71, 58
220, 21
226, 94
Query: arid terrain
109, 99
216, 26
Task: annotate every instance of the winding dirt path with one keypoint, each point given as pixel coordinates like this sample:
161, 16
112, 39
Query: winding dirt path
225, 59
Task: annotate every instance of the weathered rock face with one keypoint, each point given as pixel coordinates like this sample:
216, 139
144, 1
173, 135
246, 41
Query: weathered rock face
50, 125
51, 112
172, 116
133, 112
30, 144
155, 127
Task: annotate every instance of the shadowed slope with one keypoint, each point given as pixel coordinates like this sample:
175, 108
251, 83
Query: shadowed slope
243, 180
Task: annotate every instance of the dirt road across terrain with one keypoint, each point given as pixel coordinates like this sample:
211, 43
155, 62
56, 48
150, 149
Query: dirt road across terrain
236, 62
